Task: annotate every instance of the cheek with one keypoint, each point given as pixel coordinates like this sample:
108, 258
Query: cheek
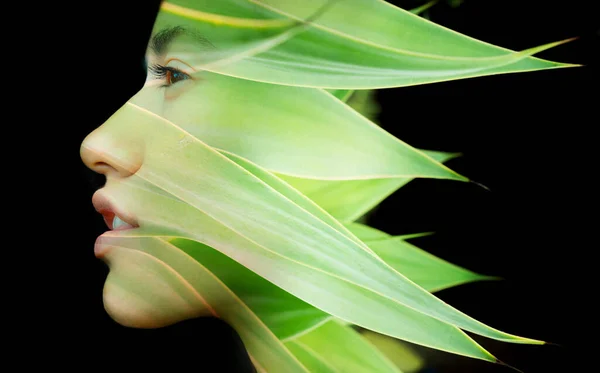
179, 89
187, 104
191, 108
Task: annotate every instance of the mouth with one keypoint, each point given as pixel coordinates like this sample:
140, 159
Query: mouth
114, 218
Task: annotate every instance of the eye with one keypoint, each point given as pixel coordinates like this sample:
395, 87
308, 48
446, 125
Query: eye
173, 76
169, 74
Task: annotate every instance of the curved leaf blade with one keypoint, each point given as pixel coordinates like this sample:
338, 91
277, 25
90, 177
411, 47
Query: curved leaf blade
398, 352
379, 50
345, 350
348, 200
363, 150
311, 359
424, 269
215, 201
420, 9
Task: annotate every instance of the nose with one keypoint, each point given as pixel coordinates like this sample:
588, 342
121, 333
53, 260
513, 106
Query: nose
114, 149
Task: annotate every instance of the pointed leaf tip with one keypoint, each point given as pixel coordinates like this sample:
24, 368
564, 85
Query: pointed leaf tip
544, 47
424, 7
491, 278
415, 235
499, 362
480, 185
553, 344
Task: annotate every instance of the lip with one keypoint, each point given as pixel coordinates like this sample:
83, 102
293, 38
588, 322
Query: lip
108, 210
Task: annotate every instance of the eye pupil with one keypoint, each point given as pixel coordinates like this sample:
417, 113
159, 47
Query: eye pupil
175, 76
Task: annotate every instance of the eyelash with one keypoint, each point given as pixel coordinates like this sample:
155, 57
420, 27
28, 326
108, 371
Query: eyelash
161, 72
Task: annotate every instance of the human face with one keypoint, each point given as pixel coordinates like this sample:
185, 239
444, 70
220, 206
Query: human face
139, 292
169, 158
150, 152
140, 148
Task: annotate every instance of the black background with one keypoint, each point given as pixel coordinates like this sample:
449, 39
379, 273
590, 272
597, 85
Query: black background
528, 137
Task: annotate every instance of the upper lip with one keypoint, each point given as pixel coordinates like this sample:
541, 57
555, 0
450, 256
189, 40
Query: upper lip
108, 210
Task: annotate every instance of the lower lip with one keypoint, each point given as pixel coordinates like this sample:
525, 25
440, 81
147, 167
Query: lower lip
101, 247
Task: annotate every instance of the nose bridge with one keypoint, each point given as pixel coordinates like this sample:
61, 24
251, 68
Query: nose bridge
113, 148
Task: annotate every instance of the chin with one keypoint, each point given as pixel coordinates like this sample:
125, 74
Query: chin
140, 292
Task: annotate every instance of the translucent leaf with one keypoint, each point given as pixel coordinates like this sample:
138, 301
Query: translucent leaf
366, 233
312, 44
364, 102
426, 270
342, 94
186, 188
340, 349
348, 200
284, 314
405, 358
275, 127
424, 7
311, 359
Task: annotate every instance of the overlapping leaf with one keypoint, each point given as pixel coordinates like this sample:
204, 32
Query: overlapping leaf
337, 348
213, 200
383, 46
347, 200
294, 131
424, 7
400, 353
426, 270
284, 314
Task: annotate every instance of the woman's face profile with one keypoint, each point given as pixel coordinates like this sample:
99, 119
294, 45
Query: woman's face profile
139, 292
158, 171
173, 147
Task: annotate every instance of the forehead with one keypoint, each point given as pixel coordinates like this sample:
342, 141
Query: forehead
210, 24
164, 38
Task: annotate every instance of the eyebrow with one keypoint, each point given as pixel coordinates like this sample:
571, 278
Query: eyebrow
159, 43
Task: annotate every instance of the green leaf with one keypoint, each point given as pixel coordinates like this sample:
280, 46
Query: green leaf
284, 314
424, 7
211, 199
339, 348
275, 127
426, 270
348, 200
309, 358
401, 354
365, 103
342, 94
312, 44
366, 233
147, 268
421, 267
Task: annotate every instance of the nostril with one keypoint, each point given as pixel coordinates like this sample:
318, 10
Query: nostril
100, 164
114, 168
103, 167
